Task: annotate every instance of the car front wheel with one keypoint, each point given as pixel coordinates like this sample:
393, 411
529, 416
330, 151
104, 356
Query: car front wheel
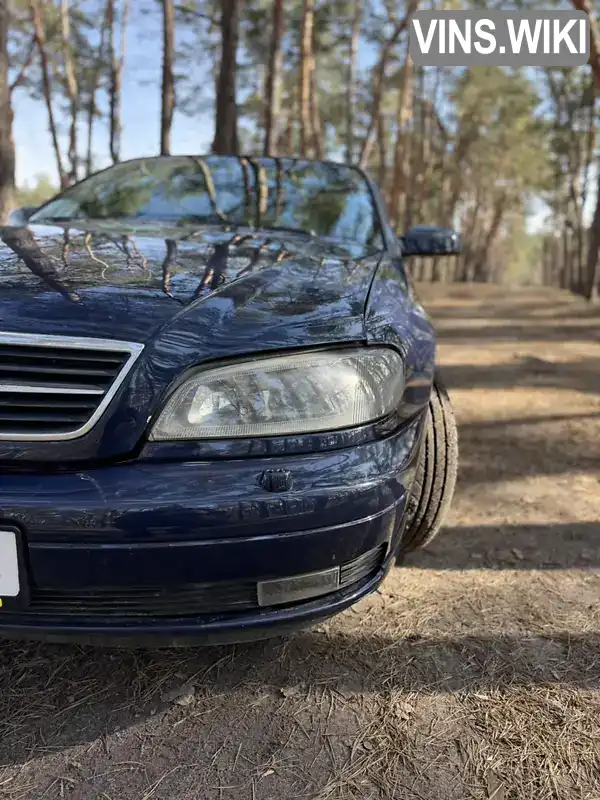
435, 478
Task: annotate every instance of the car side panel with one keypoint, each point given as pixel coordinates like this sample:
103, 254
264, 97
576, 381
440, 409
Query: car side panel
395, 316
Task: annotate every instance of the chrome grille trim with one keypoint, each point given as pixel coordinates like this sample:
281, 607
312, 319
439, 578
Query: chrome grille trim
131, 349
32, 389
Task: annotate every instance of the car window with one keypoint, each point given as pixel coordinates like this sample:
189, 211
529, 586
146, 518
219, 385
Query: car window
319, 198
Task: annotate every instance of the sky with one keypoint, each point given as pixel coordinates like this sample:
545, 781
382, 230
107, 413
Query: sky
140, 114
141, 134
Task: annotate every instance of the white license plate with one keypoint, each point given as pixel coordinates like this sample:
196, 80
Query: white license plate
9, 565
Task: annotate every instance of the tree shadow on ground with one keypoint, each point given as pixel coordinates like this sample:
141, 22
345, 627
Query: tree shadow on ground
550, 546
526, 371
517, 312
56, 697
504, 450
548, 332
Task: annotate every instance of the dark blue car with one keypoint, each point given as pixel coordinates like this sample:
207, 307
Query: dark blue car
219, 411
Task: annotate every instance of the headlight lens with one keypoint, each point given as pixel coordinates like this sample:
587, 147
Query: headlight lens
291, 394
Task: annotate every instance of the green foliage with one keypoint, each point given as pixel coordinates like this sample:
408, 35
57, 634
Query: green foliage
37, 193
497, 111
523, 253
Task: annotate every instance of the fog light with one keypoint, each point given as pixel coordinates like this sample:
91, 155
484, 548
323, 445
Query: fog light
299, 587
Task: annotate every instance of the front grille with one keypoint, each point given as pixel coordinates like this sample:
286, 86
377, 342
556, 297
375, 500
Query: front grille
57, 387
185, 601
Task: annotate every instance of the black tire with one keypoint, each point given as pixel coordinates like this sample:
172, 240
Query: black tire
435, 479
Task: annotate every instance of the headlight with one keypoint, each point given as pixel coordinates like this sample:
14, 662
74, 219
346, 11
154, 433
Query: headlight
280, 395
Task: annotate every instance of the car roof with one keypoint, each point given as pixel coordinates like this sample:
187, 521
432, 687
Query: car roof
248, 156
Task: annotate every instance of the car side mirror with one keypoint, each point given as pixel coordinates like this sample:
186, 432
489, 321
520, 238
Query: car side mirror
429, 240
20, 216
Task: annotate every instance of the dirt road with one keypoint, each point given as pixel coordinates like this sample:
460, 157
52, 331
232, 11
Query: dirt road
473, 673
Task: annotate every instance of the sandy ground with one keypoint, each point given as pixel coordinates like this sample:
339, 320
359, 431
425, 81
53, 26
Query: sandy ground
473, 673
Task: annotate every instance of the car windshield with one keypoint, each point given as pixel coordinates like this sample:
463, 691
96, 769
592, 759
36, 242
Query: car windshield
311, 197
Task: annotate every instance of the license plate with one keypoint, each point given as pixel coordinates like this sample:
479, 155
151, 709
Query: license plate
9, 565
298, 587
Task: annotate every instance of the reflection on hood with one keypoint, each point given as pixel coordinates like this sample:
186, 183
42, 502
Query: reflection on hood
22, 242
182, 264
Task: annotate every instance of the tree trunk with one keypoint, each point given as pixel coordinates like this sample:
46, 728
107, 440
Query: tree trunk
465, 141
116, 78
112, 100
425, 164
351, 80
594, 61
555, 261
420, 145
168, 82
413, 156
382, 146
71, 89
577, 254
428, 160
546, 276
567, 273
7, 147
378, 78
38, 21
592, 277
481, 273
469, 227
95, 80
226, 136
288, 141
273, 87
22, 73
315, 114
405, 103
590, 143
306, 41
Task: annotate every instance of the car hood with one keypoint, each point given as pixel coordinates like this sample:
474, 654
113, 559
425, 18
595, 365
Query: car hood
190, 296
114, 281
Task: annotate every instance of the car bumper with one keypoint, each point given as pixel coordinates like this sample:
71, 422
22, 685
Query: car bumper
167, 553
